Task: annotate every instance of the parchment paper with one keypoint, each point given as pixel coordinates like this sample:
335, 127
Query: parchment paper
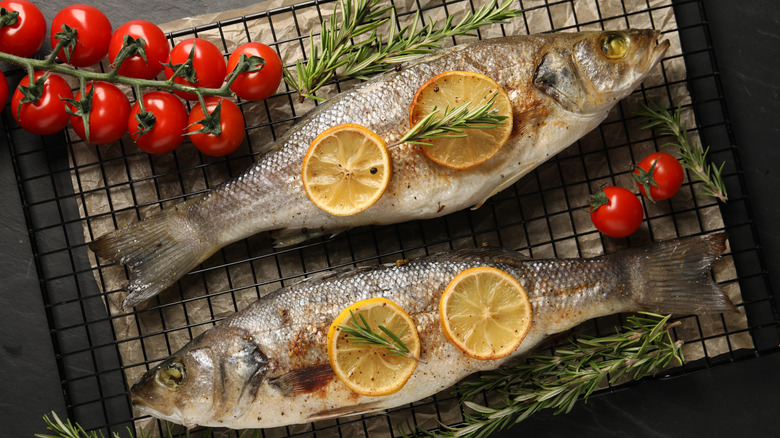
117, 178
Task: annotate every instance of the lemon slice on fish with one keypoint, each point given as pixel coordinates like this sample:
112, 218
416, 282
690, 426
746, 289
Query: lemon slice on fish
449, 90
346, 169
485, 312
372, 369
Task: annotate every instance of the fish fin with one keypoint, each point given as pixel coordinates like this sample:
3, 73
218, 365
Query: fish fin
292, 236
674, 276
156, 251
523, 122
304, 380
494, 254
358, 409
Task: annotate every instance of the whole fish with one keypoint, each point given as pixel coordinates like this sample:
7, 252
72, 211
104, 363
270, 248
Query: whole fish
561, 86
267, 365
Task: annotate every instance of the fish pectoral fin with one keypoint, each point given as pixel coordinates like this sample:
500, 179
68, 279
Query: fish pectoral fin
292, 236
344, 411
506, 183
304, 380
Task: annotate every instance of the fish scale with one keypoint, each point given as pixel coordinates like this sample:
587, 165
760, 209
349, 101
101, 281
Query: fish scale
560, 87
285, 376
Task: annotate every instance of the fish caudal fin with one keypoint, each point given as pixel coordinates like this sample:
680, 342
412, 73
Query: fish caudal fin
674, 276
157, 251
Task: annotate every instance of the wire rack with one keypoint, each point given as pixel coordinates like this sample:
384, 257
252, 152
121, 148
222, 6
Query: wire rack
52, 179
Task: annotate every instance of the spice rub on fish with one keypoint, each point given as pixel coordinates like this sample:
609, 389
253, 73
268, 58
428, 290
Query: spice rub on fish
561, 86
267, 365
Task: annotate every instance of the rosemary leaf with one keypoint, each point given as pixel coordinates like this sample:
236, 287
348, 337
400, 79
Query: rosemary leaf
692, 156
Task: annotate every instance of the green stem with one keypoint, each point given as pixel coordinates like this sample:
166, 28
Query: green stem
85, 75
139, 99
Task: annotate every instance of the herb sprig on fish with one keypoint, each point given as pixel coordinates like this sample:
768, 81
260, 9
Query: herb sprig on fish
360, 333
452, 122
378, 53
557, 381
693, 156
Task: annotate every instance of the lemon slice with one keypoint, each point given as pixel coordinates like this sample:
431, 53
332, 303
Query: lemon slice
372, 369
449, 90
485, 312
346, 169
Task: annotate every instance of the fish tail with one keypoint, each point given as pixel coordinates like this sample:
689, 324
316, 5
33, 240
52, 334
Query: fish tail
674, 276
157, 251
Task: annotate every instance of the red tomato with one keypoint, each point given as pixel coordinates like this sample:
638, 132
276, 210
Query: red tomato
665, 178
47, 115
616, 212
208, 63
107, 116
155, 46
231, 125
170, 123
94, 34
25, 37
256, 85
3, 90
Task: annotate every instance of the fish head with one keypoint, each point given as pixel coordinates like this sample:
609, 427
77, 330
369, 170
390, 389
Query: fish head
215, 376
590, 72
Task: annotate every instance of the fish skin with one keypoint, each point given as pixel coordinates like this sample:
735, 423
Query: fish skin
286, 331
561, 86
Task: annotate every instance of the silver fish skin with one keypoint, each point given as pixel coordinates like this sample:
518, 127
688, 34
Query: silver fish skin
560, 85
267, 365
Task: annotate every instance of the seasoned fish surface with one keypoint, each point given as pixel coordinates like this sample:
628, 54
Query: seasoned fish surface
561, 86
267, 365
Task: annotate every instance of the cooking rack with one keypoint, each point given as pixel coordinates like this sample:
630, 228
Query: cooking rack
91, 370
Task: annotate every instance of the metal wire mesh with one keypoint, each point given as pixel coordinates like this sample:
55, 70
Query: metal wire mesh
536, 216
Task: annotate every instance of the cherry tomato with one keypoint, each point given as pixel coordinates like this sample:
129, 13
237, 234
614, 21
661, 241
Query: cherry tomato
107, 116
170, 123
47, 115
231, 124
665, 178
208, 63
3, 90
155, 46
25, 37
616, 211
94, 34
256, 85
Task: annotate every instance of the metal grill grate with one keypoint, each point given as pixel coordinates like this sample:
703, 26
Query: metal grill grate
53, 177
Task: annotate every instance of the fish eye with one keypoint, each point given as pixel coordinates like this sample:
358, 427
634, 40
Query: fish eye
171, 375
614, 45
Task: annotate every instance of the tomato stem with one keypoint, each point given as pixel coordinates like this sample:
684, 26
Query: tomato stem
50, 65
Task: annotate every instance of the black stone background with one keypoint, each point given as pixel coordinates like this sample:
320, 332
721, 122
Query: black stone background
738, 399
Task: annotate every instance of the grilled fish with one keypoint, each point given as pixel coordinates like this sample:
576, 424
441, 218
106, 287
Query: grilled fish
267, 365
561, 86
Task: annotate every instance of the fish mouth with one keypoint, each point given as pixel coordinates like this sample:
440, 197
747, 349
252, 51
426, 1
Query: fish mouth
658, 51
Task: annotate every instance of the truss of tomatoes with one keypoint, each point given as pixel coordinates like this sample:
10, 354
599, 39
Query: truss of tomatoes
158, 121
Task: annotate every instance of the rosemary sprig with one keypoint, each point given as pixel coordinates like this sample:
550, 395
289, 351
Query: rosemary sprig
377, 53
692, 156
408, 43
452, 123
365, 335
557, 381
358, 17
